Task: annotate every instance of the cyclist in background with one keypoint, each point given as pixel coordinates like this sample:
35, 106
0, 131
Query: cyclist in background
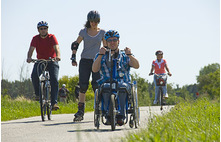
92, 36
46, 46
158, 66
102, 64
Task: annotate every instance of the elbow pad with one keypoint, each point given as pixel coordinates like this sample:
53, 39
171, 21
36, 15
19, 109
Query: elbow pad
74, 45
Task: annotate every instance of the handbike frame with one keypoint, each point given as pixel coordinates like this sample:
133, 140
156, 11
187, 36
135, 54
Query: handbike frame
113, 107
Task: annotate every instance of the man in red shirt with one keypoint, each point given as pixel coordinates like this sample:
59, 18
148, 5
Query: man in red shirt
46, 46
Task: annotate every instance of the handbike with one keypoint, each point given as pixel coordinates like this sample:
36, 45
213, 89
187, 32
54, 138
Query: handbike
113, 107
45, 88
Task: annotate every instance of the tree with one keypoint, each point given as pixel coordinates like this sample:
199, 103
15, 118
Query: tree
209, 80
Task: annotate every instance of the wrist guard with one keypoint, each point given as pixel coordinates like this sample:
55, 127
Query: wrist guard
74, 45
73, 58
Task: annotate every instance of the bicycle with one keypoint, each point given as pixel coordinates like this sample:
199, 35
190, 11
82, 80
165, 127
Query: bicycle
161, 81
44, 88
113, 107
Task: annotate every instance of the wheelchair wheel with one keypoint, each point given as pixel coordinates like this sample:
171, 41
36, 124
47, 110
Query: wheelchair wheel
96, 110
136, 108
112, 112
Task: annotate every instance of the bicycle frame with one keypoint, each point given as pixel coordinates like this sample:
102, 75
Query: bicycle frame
160, 93
44, 88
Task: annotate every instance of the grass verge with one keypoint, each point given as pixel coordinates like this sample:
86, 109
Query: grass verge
23, 108
187, 121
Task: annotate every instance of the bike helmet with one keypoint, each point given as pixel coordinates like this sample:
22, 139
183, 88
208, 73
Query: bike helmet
42, 23
111, 33
63, 85
159, 52
93, 16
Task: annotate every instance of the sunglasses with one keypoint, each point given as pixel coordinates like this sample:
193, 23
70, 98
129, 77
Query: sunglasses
43, 28
114, 40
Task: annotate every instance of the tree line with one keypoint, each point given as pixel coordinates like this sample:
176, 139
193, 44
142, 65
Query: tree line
208, 83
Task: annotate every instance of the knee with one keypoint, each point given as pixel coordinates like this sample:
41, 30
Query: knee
83, 88
95, 86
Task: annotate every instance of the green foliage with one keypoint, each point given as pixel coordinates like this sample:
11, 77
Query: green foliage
187, 121
142, 90
22, 108
19, 108
17, 88
209, 80
71, 82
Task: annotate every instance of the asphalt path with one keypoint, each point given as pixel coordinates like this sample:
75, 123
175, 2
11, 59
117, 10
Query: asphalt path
62, 128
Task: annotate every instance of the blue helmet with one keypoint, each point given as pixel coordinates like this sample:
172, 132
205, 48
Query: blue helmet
93, 16
42, 23
111, 33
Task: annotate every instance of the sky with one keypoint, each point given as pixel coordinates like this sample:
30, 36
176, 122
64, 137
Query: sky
187, 31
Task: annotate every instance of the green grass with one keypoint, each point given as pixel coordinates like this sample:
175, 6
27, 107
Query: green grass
23, 108
187, 122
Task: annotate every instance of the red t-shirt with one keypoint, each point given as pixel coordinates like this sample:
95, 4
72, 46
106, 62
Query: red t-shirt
44, 46
159, 66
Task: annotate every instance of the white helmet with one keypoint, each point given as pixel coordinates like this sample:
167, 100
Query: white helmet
63, 85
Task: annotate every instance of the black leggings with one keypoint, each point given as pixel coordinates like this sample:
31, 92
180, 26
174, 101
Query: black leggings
85, 70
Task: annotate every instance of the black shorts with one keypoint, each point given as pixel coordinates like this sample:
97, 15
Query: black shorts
85, 70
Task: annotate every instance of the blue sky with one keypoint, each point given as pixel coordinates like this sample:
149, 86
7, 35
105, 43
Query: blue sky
187, 31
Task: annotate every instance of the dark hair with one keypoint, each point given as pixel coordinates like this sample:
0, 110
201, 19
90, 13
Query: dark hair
87, 25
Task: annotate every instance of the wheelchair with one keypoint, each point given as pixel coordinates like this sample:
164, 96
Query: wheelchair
132, 111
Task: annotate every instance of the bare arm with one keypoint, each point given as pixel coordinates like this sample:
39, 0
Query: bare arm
151, 70
57, 51
30, 52
79, 39
166, 66
104, 42
133, 61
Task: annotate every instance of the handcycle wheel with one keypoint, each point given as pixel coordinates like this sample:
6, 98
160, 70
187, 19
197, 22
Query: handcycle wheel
96, 110
112, 112
136, 108
42, 101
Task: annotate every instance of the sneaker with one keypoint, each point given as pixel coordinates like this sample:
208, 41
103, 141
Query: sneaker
120, 120
55, 107
108, 121
166, 96
155, 102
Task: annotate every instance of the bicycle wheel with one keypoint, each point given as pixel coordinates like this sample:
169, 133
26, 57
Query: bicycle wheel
48, 98
96, 110
161, 98
42, 101
112, 112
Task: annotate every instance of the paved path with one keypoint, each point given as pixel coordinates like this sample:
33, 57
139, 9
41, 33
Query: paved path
62, 129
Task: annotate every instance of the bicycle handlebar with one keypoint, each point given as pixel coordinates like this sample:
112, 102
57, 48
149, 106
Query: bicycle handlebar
43, 60
157, 74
